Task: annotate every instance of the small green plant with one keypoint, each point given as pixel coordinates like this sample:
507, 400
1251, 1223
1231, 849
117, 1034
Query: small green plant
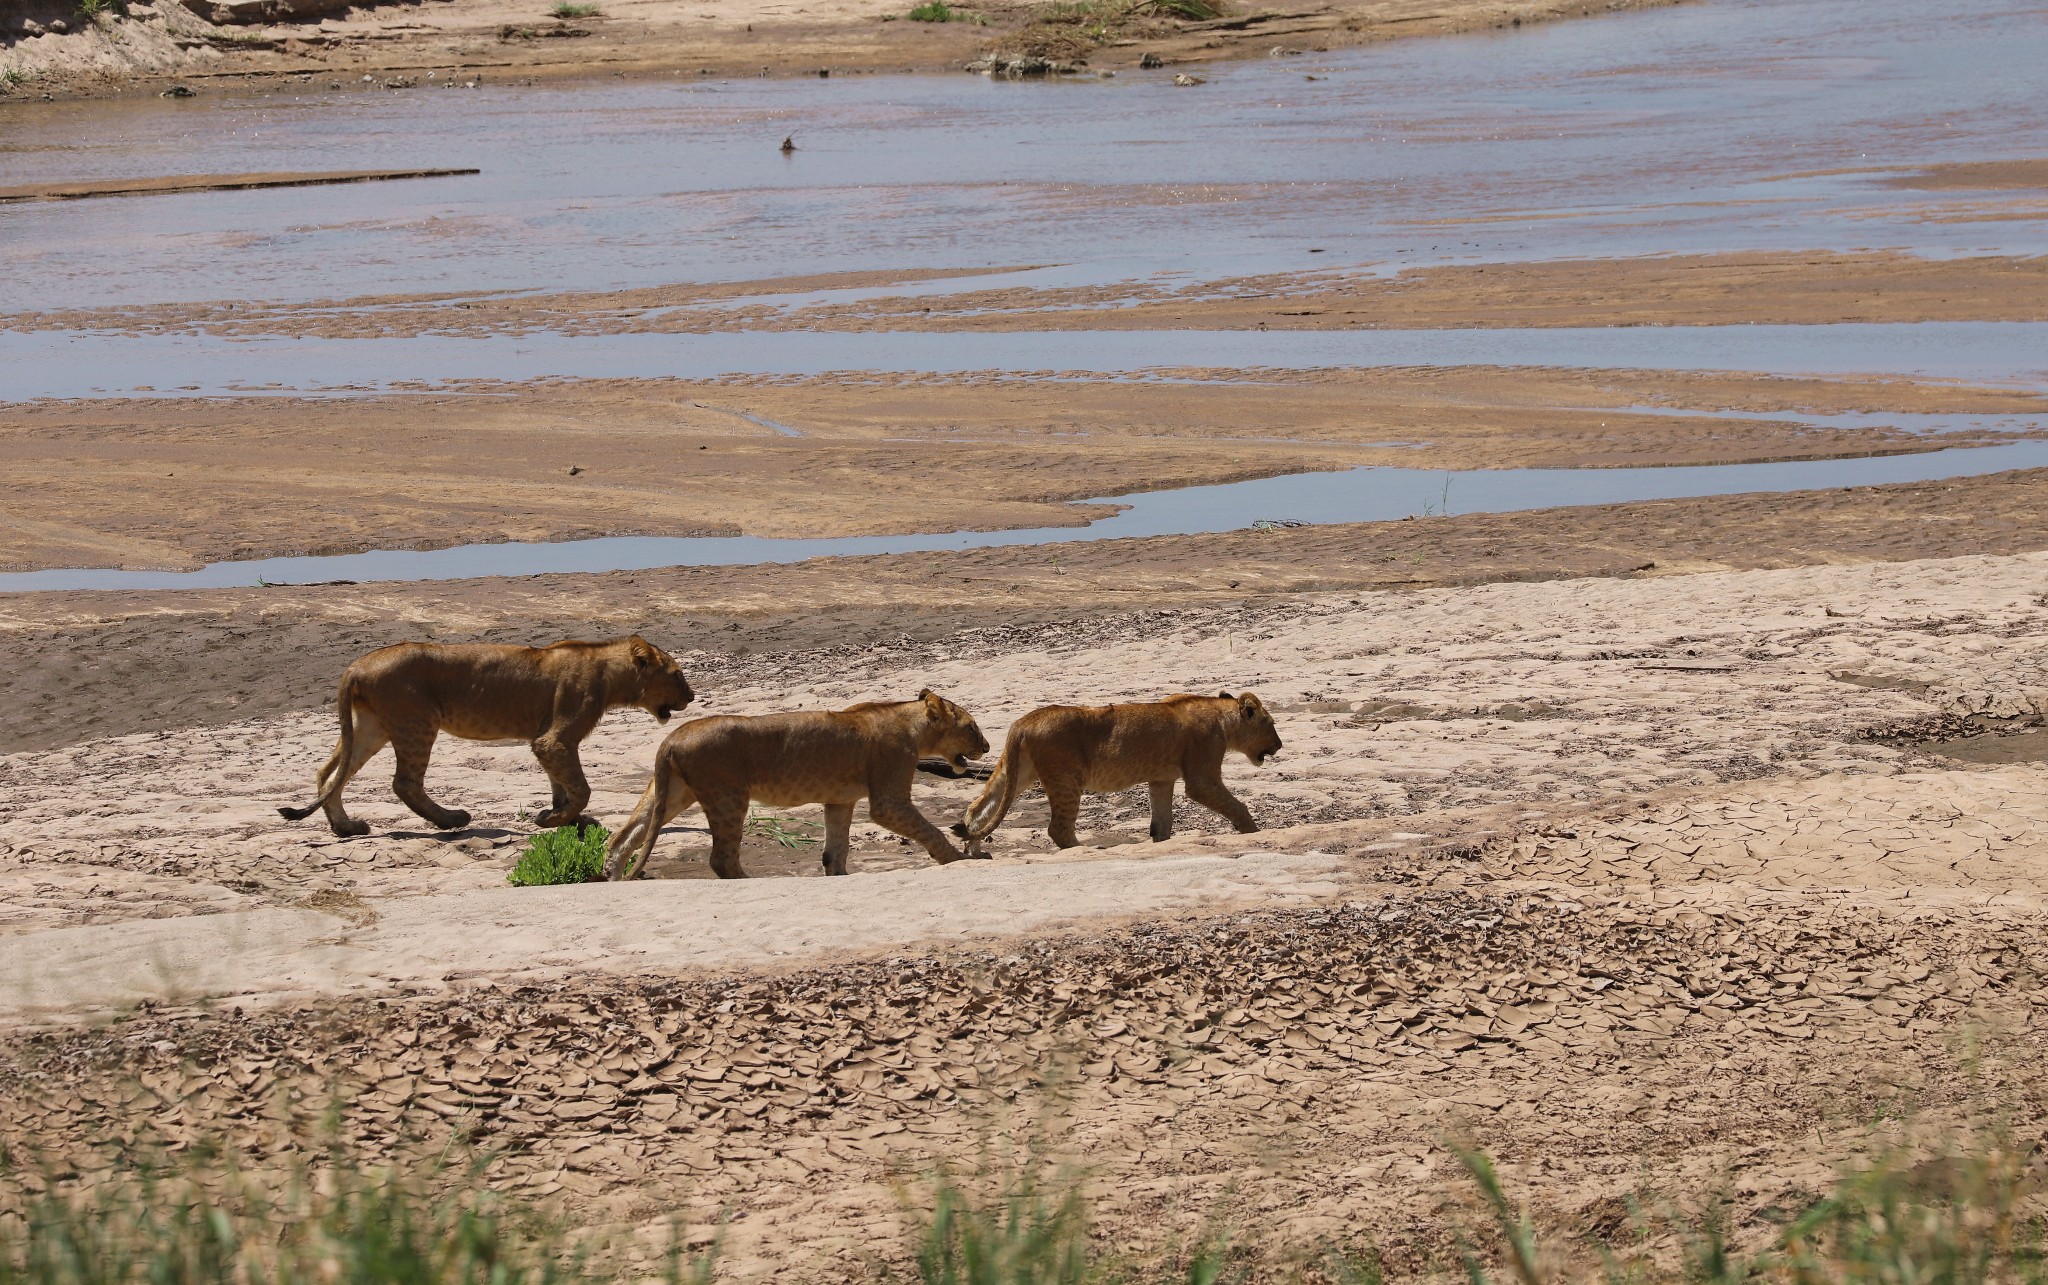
14, 76
566, 10
787, 831
571, 854
94, 10
1441, 506
932, 11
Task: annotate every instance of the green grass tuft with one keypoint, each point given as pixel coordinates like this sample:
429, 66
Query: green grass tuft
201, 1217
1029, 1231
566, 855
932, 11
1027, 1222
567, 10
1964, 1210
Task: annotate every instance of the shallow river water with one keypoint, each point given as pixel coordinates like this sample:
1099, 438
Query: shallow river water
1656, 132
1692, 129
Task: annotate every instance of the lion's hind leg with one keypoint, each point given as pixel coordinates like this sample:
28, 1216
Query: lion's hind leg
667, 796
414, 748
726, 813
362, 735
1063, 797
369, 738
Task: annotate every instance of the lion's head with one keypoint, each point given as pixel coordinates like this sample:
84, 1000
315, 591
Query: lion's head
950, 732
1251, 733
663, 689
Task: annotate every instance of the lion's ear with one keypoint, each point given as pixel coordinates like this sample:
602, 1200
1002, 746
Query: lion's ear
1225, 696
1249, 705
934, 704
642, 650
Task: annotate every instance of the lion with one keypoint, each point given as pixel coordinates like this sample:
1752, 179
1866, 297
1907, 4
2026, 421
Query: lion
867, 751
1100, 749
550, 697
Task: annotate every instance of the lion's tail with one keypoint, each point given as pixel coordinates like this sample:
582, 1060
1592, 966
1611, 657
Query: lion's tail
1013, 776
331, 777
658, 802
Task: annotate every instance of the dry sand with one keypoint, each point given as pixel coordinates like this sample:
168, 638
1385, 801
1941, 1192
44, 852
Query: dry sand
1635, 881
489, 930
465, 39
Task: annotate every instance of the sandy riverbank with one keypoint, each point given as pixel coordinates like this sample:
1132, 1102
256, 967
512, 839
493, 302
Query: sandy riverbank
396, 45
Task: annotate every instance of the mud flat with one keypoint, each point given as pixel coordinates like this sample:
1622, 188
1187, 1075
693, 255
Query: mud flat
206, 183
1684, 290
144, 482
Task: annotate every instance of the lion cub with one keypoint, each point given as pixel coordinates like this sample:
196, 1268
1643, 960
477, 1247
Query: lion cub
550, 697
1100, 749
867, 751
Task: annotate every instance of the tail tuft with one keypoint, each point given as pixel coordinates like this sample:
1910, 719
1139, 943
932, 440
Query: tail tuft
299, 814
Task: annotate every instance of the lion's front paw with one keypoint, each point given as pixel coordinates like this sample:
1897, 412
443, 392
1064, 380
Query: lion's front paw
352, 829
453, 821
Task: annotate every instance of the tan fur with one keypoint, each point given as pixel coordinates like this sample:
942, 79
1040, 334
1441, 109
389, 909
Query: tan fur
550, 697
837, 759
1100, 749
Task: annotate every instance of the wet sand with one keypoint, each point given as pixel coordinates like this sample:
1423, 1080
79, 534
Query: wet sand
150, 483
1977, 176
207, 183
1683, 290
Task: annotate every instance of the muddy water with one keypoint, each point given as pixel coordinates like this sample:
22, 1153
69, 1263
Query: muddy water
1636, 133
73, 364
1352, 495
